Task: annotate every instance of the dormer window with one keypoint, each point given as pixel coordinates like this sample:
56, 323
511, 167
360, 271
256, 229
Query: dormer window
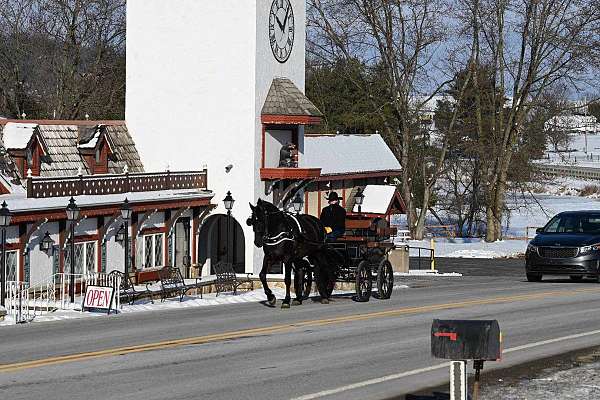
98, 156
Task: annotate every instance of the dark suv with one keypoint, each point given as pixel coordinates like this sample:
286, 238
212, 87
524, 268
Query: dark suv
568, 245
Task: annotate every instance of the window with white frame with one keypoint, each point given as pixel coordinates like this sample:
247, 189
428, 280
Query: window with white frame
12, 266
153, 250
85, 258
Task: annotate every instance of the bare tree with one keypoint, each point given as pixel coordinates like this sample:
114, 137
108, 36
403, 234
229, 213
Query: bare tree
62, 58
399, 39
533, 45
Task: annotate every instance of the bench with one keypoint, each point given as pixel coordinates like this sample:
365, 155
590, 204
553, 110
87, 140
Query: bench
226, 278
128, 290
173, 283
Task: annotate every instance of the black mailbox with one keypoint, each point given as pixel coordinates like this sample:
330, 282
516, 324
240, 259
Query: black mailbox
466, 340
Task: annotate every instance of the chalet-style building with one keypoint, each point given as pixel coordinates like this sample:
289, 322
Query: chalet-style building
232, 101
45, 163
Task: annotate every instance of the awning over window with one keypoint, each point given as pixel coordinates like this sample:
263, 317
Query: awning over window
286, 104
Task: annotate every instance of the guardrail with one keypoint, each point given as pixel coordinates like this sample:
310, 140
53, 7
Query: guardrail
572, 171
423, 259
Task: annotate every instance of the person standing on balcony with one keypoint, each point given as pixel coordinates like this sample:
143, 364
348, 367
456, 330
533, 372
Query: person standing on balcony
333, 218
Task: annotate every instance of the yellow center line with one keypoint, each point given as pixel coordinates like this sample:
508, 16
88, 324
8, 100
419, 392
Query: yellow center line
282, 328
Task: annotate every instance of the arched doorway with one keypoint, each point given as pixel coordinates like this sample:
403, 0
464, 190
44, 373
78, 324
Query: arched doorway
221, 238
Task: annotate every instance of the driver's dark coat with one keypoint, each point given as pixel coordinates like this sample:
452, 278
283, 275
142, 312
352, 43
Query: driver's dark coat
334, 216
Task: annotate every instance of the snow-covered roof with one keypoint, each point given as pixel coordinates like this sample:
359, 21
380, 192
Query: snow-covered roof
18, 202
16, 135
377, 199
346, 154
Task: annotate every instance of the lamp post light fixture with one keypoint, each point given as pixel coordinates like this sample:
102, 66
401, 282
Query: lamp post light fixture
126, 212
72, 216
46, 243
298, 203
358, 199
5, 217
228, 203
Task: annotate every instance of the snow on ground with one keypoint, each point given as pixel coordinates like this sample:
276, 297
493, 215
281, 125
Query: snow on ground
469, 248
532, 214
144, 305
577, 155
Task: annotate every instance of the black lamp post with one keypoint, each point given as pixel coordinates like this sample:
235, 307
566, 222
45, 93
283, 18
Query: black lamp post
358, 199
72, 217
126, 212
298, 203
5, 217
228, 203
46, 243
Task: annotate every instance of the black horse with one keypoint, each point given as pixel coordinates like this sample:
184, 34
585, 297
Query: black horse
291, 239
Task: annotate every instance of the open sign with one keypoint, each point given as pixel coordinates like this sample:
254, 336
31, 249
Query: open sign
98, 298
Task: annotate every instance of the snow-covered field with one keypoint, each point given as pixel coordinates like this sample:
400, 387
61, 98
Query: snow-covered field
534, 213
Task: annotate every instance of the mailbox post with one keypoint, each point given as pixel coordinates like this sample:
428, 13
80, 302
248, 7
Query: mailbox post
464, 340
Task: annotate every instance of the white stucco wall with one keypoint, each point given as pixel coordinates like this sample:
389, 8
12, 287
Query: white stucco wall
198, 73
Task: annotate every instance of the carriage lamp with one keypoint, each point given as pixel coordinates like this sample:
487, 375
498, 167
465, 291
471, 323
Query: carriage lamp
126, 210
46, 243
72, 216
228, 202
120, 236
298, 203
358, 198
5, 217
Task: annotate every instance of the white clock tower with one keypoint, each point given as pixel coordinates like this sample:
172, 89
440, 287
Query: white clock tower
218, 84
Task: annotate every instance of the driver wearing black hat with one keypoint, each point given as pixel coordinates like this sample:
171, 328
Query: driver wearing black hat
333, 218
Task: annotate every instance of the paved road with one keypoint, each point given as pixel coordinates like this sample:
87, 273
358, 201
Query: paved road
344, 350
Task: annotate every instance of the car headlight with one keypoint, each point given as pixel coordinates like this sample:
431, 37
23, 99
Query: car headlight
531, 248
590, 248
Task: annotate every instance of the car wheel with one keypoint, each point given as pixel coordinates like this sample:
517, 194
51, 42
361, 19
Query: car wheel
534, 277
576, 278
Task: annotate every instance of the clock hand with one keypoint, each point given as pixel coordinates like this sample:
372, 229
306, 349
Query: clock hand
281, 26
287, 14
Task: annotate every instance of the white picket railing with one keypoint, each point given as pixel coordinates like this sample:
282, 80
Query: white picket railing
24, 302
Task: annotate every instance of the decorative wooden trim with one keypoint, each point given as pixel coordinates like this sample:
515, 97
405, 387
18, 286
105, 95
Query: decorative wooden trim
98, 185
173, 220
34, 228
107, 210
143, 219
289, 173
103, 229
290, 119
153, 231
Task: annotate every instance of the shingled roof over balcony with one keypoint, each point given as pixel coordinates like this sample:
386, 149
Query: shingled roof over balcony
286, 104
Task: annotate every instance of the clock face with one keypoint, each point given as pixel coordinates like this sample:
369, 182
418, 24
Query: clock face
281, 29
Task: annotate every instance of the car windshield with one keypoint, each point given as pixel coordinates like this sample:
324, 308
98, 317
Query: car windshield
574, 223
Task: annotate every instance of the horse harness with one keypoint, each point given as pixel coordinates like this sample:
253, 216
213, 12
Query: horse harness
285, 236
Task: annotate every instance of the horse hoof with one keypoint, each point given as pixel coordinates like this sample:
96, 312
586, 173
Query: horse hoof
324, 301
296, 303
285, 305
272, 300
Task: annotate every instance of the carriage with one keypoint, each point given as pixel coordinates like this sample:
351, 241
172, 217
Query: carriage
364, 247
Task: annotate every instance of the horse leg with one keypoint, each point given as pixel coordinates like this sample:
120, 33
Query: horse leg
298, 278
271, 299
288, 284
321, 278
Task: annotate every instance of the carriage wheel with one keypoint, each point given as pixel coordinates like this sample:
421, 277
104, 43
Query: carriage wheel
364, 284
307, 281
385, 279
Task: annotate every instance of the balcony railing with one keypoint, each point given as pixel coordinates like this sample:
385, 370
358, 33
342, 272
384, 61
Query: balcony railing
97, 185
